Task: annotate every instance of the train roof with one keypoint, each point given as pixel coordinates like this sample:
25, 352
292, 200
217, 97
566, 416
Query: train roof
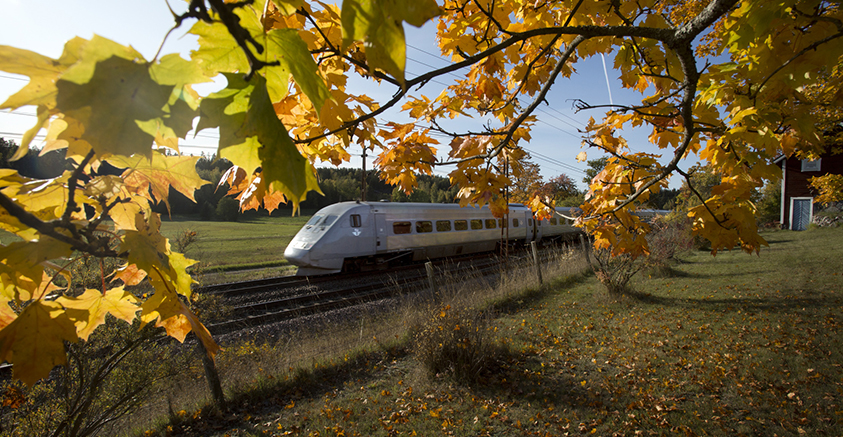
414, 206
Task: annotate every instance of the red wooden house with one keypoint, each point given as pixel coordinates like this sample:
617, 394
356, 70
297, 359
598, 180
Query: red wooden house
797, 209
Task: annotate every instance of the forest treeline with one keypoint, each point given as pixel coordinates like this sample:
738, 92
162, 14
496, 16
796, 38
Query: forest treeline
212, 202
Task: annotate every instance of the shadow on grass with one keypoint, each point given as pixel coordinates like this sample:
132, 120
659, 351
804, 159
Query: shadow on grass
515, 304
787, 303
543, 386
274, 394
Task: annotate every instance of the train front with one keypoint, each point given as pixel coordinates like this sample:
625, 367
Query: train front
332, 234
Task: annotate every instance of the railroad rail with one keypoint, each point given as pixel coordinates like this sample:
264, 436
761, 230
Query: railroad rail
256, 314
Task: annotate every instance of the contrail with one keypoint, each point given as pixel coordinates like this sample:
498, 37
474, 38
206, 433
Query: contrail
606, 73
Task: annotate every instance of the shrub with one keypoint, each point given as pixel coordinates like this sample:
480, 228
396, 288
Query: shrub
458, 342
614, 272
667, 240
228, 209
185, 239
107, 377
91, 272
206, 213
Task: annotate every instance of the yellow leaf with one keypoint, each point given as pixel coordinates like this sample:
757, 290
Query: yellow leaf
34, 341
89, 309
7, 315
582, 156
378, 24
130, 274
159, 174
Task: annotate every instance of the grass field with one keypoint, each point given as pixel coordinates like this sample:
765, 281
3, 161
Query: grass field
249, 243
732, 345
253, 242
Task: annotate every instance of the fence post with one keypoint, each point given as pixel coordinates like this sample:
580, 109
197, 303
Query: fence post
585, 248
536, 261
430, 277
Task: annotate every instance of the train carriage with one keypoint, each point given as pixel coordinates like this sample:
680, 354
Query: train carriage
351, 236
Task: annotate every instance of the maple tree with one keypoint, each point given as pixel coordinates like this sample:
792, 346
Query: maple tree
830, 188
287, 105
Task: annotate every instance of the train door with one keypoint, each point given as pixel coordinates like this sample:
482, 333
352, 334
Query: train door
380, 232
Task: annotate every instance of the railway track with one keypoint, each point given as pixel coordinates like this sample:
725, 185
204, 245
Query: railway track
410, 280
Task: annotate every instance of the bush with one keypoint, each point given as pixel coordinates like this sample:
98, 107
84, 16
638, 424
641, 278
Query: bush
459, 343
228, 209
667, 239
614, 272
107, 377
207, 211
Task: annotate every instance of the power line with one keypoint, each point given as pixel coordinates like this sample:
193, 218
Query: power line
557, 118
555, 161
3, 76
560, 129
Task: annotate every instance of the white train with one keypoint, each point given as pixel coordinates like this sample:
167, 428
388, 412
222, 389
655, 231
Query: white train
351, 236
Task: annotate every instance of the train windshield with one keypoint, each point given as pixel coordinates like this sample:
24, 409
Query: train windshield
313, 220
328, 220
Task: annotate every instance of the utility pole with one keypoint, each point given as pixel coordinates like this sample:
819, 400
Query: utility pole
505, 229
363, 178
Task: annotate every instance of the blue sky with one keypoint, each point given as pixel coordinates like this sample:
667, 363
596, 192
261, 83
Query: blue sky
43, 26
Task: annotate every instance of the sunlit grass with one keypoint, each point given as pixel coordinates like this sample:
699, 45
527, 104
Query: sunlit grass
255, 243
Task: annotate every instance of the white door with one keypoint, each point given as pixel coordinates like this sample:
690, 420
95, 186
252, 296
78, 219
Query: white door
800, 213
380, 232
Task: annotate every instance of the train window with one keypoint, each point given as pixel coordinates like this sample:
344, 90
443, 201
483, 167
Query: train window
401, 228
460, 225
530, 222
476, 224
355, 221
502, 223
491, 223
313, 220
425, 226
553, 221
328, 220
443, 225
514, 223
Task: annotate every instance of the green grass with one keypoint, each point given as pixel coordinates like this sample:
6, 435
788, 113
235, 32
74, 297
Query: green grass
247, 244
252, 243
733, 345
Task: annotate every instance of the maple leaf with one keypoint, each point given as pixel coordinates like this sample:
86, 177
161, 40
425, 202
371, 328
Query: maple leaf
158, 173
34, 341
111, 101
7, 315
219, 52
89, 310
25, 258
247, 122
378, 24
41, 90
130, 274
146, 247
172, 315
286, 47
